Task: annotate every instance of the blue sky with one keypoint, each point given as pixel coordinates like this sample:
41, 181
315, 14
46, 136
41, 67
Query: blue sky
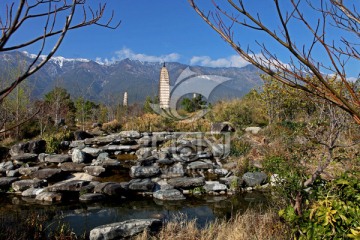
160, 30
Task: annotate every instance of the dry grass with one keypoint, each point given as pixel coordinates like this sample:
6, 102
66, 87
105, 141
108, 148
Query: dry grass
250, 225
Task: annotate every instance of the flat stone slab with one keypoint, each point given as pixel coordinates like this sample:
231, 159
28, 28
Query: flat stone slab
214, 186
169, 195
126, 229
27, 170
25, 157
186, 182
32, 192
69, 186
47, 173
72, 167
144, 172
49, 197
22, 185
92, 197
58, 158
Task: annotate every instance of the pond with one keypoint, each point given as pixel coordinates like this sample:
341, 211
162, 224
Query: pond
81, 218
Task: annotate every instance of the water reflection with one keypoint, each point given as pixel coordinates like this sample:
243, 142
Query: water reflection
84, 217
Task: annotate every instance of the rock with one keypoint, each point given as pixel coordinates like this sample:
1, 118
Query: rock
5, 166
219, 171
58, 158
78, 156
12, 173
32, 192
110, 188
144, 152
253, 130
92, 197
232, 182
177, 170
50, 174
25, 157
214, 186
92, 151
35, 146
126, 229
165, 161
27, 170
253, 179
186, 182
68, 186
144, 172
94, 170
130, 134
82, 135
222, 127
200, 165
5, 182
141, 185
72, 167
121, 148
169, 195
4, 152
220, 150
49, 197
42, 157
77, 144
26, 184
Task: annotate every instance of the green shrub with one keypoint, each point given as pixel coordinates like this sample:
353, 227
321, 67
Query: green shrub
53, 141
332, 211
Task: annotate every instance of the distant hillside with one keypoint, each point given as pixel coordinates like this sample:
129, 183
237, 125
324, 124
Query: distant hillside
97, 82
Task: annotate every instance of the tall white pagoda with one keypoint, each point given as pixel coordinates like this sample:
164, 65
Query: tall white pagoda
164, 88
125, 99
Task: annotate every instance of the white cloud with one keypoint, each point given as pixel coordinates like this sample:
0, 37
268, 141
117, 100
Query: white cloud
128, 53
231, 61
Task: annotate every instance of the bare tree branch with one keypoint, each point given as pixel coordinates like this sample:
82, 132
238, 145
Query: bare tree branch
304, 70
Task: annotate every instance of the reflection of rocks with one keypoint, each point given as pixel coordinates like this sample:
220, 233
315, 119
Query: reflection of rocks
126, 229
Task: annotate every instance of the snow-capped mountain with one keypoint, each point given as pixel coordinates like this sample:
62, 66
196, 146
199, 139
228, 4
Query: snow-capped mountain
107, 82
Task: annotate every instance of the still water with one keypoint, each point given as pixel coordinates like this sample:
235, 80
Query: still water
81, 218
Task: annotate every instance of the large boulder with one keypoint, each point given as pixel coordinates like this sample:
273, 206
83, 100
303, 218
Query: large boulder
124, 230
144, 172
252, 179
34, 146
78, 156
214, 186
28, 170
174, 171
186, 182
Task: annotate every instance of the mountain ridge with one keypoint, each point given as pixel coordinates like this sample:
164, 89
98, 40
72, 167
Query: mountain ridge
107, 82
